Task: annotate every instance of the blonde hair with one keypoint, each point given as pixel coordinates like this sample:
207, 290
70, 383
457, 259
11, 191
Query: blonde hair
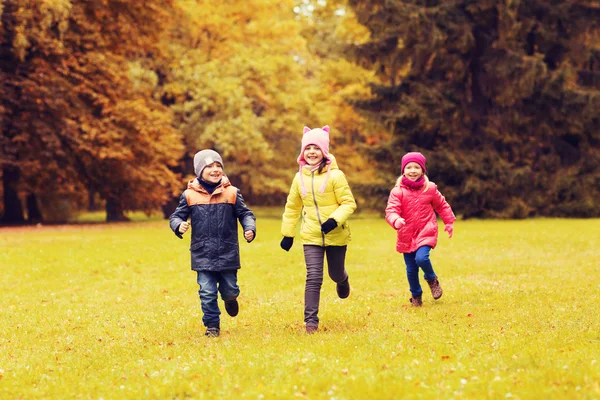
426, 182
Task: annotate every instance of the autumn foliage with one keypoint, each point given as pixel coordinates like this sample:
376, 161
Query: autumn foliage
104, 103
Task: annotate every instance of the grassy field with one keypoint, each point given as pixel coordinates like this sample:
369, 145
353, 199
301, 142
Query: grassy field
111, 312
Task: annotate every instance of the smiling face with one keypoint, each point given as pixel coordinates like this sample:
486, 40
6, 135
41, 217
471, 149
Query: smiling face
212, 172
413, 171
313, 155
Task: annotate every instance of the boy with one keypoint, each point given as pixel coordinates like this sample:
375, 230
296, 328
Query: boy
214, 206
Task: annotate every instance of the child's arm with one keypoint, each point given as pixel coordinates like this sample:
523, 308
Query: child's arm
293, 208
178, 220
345, 199
393, 209
246, 217
441, 206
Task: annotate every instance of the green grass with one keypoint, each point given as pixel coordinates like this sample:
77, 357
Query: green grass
111, 311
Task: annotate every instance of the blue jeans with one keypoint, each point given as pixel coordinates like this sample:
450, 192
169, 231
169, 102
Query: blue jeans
414, 261
210, 283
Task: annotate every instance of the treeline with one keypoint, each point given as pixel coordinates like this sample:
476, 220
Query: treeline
103, 104
505, 95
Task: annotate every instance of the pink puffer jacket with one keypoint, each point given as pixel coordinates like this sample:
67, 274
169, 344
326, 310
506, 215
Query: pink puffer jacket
417, 208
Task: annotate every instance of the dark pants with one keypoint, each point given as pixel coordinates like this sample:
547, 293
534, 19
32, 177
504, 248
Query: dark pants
211, 283
314, 257
414, 261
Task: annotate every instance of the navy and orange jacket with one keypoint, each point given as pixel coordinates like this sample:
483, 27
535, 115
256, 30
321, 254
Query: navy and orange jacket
213, 222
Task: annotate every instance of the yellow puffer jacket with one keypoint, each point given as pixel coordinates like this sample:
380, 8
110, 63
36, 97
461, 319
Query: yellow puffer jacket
335, 202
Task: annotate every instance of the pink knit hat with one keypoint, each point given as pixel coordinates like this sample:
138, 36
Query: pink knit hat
320, 138
414, 157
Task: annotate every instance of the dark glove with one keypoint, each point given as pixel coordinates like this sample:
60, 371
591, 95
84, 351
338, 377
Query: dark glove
328, 226
286, 243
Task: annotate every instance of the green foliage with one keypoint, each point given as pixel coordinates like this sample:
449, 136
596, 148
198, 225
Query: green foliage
491, 93
112, 311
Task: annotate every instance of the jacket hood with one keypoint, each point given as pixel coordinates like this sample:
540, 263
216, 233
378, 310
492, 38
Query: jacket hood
306, 170
194, 184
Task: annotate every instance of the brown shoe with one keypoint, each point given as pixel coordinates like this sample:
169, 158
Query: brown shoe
436, 289
310, 329
416, 301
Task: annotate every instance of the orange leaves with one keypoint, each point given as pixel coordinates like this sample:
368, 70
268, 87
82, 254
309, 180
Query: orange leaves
78, 119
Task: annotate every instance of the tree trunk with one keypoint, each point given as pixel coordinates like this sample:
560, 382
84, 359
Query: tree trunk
34, 216
169, 207
13, 210
91, 201
114, 211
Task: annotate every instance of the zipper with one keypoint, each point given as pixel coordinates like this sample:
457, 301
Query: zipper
312, 185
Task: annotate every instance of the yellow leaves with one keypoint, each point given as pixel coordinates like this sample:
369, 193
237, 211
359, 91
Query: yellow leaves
350, 31
55, 12
20, 45
144, 80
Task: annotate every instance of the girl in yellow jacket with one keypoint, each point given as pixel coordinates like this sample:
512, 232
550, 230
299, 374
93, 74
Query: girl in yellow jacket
320, 194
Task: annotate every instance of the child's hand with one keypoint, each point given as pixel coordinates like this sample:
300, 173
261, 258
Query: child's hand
328, 225
400, 222
184, 227
286, 243
249, 236
450, 229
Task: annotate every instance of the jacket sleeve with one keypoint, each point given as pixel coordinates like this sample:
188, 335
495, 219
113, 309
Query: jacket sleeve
244, 214
181, 214
441, 206
345, 199
394, 206
293, 208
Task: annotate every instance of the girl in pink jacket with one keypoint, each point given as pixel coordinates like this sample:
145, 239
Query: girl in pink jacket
410, 210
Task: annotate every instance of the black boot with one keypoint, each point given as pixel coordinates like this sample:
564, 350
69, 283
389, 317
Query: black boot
343, 289
232, 307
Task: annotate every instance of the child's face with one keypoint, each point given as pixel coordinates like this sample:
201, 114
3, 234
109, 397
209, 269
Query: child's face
212, 172
313, 155
413, 171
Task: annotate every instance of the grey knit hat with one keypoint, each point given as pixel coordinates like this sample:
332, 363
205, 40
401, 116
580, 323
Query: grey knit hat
204, 158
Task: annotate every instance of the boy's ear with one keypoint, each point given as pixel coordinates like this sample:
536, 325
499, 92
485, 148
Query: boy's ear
326, 128
306, 129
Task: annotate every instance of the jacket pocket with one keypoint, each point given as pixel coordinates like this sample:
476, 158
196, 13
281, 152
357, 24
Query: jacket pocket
404, 235
196, 246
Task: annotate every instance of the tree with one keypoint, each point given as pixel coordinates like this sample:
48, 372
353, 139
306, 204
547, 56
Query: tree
243, 81
501, 94
71, 118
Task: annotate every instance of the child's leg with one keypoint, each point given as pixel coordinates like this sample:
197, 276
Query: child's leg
228, 286
412, 273
314, 258
208, 298
336, 260
229, 290
422, 260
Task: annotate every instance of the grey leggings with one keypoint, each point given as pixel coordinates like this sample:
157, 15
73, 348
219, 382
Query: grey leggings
314, 257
